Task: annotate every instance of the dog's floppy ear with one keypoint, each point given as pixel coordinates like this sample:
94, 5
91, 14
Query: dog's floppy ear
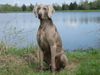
35, 9
50, 11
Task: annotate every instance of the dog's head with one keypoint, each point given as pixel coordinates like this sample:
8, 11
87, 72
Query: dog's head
43, 11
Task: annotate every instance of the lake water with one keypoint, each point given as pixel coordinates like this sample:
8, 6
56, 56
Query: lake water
77, 29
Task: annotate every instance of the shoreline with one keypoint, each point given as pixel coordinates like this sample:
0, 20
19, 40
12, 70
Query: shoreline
56, 11
79, 10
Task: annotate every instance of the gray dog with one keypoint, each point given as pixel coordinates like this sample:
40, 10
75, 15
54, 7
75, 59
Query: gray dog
49, 40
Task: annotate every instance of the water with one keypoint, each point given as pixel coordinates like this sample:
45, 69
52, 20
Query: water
77, 29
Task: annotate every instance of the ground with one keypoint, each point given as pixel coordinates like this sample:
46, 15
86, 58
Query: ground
14, 61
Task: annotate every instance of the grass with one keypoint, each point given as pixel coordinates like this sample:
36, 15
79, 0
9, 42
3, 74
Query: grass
14, 61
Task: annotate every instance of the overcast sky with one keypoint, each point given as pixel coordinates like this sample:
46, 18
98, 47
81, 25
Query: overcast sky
27, 2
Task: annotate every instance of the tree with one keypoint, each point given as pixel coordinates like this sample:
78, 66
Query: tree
84, 5
23, 7
65, 6
57, 7
92, 5
73, 6
31, 7
97, 4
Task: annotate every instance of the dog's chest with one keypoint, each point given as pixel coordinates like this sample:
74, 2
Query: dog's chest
42, 38
41, 34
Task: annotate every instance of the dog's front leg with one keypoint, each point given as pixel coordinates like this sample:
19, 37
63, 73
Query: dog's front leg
53, 54
41, 56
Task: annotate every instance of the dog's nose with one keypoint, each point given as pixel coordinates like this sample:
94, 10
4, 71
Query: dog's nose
40, 14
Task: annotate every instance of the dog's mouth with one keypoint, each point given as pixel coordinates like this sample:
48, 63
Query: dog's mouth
39, 16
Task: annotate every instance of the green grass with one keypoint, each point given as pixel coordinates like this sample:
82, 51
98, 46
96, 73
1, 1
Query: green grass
13, 62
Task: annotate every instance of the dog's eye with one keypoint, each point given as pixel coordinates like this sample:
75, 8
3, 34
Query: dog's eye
44, 8
38, 8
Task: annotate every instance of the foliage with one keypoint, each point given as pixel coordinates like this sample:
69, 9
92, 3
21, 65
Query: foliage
57, 7
23, 7
10, 8
73, 6
84, 5
65, 6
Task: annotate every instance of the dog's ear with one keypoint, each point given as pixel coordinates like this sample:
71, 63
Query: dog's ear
35, 9
50, 11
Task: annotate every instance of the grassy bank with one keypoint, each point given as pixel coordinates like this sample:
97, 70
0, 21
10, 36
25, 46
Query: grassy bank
24, 61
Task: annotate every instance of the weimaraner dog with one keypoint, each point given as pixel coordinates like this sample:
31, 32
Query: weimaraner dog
49, 39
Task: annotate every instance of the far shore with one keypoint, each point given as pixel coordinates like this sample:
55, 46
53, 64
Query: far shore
79, 10
56, 11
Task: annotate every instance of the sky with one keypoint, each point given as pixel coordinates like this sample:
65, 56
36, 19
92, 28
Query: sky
27, 2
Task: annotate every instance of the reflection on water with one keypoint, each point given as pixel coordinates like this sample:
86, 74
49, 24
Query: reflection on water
84, 20
77, 29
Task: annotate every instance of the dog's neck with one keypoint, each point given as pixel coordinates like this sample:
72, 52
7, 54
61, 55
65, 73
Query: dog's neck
46, 21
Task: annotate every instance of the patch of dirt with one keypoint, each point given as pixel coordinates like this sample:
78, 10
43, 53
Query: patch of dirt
72, 66
8, 61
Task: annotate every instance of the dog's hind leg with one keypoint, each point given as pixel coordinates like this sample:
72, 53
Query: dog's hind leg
64, 59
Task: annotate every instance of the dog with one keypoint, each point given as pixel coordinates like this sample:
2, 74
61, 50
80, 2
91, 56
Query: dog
49, 39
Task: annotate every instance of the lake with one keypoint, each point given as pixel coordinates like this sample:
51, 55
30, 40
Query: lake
78, 30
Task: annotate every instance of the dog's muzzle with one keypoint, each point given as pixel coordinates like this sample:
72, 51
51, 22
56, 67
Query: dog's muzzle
39, 16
